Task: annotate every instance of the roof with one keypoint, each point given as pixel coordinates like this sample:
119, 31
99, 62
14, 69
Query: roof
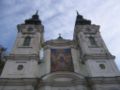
60, 41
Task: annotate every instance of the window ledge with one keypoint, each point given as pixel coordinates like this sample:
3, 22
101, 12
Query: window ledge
25, 47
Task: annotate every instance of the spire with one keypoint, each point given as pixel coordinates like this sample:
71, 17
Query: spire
59, 34
81, 21
77, 12
2, 48
36, 12
34, 20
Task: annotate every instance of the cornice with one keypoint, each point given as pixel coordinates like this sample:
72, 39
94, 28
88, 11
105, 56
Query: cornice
59, 43
17, 81
22, 57
104, 80
87, 28
98, 56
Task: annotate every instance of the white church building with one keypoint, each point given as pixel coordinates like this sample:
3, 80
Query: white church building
83, 63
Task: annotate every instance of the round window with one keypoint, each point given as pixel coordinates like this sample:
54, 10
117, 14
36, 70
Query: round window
102, 66
20, 67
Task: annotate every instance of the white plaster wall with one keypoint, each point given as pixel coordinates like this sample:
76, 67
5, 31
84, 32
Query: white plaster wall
82, 43
44, 65
32, 49
47, 88
47, 59
26, 87
107, 87
36, 39
79, 87
41, 70
29, 70
95, 70
75, 59
78, 66
63, 88
85, 44
87, 48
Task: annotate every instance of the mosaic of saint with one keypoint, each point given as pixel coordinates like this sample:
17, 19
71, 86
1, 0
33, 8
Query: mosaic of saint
61, 60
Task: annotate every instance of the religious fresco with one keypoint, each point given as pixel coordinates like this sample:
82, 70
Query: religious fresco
61, 60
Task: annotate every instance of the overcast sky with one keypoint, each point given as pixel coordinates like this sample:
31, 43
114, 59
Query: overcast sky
58, 16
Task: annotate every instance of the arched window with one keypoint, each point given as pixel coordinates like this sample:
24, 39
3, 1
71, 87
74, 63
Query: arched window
27, 41
92, 40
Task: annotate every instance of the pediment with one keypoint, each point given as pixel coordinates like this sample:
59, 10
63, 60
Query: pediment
57, 42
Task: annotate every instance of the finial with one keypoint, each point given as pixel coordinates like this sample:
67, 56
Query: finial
60, 38
36, 12
77, 12
59, 34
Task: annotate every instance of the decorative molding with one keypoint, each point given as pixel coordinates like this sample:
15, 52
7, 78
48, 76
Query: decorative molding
17, 81
104, 80
60, 43
23, 28
22, 57
98, 56
83, 28
75, 79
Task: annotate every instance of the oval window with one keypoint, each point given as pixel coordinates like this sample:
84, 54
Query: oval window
102, 66
20, 67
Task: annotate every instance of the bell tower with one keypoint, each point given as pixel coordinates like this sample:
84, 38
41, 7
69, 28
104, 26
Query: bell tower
92, 49
30, 37
24, 57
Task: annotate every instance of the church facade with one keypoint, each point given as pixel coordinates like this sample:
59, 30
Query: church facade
83, 63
